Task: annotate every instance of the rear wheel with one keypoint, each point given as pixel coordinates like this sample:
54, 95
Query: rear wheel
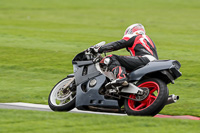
153, 103
62, 96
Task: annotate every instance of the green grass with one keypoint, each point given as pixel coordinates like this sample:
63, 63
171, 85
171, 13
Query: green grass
21, 121
38, 40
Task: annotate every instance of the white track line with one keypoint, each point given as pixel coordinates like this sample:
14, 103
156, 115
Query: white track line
28, 105
40, 107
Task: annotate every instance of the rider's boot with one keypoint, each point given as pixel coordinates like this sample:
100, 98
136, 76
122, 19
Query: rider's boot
121, 79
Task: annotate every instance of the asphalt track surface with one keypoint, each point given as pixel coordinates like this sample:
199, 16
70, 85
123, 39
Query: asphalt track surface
40, 107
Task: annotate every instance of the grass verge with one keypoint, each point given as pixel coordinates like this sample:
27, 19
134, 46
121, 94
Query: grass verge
22, 121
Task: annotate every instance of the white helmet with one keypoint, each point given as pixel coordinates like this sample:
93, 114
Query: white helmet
134, 30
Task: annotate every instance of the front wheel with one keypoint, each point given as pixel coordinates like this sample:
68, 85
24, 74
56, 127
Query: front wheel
153, 104
62, 96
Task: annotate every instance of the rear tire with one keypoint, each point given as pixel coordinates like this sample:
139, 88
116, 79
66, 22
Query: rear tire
61, 98
153, 104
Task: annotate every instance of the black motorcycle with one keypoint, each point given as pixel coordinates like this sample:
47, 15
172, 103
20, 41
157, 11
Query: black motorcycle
146, 94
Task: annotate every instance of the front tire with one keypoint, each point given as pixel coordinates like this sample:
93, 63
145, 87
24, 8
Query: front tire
62, 97
155, 101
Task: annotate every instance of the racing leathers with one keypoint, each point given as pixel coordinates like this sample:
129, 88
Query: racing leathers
142, 50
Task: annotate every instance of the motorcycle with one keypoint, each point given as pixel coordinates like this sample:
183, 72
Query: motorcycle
146, 94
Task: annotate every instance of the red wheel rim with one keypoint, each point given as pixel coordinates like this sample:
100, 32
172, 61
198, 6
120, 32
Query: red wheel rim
153, 94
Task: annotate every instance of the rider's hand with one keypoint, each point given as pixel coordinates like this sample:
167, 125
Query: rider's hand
94, 49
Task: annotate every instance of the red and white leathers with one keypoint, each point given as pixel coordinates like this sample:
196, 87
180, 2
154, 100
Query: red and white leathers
140, 46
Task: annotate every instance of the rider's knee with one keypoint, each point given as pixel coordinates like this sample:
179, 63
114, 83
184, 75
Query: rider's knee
106, 61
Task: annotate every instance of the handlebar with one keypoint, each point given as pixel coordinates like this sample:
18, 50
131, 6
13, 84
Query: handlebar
97, 58
91, 55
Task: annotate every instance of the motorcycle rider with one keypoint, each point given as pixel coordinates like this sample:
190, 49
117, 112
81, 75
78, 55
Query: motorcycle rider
141, 48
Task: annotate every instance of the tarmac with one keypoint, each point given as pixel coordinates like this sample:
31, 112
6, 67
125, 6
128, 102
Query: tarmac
41, 107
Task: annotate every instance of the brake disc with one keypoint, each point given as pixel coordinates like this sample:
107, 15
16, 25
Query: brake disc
63, 94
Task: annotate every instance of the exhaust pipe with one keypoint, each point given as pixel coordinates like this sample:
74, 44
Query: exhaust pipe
172, 99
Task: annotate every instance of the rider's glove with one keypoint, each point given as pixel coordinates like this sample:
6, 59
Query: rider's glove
94, 49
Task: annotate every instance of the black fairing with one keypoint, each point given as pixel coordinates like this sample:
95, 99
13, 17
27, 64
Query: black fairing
169, 68
79, 57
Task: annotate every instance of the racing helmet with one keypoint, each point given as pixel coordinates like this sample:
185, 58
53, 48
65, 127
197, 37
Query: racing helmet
134, 30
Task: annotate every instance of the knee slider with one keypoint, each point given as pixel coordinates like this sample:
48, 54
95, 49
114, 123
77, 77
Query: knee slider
107, 61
